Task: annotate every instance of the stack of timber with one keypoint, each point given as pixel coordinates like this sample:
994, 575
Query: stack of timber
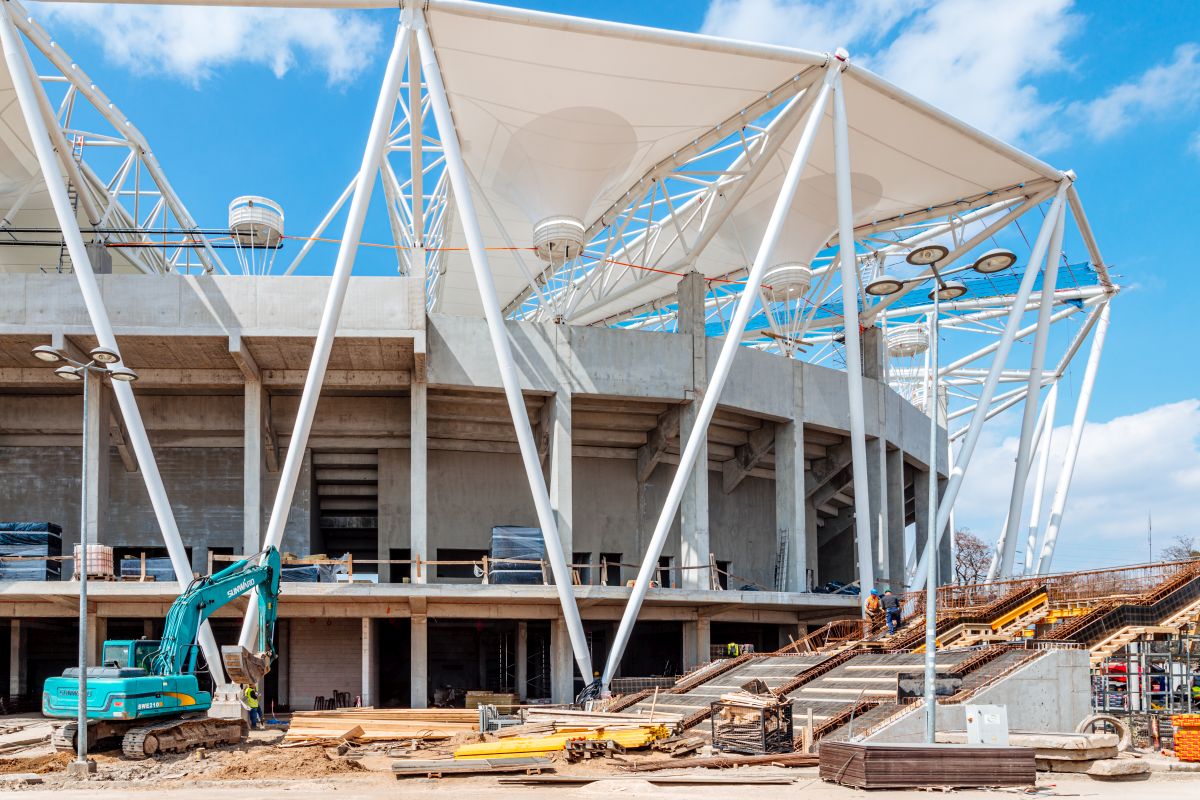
503, 701
378, 725
571, 718
905, 766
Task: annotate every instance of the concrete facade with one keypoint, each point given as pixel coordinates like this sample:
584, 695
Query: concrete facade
413, 458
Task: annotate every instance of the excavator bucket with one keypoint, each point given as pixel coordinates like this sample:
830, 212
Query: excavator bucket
243, 666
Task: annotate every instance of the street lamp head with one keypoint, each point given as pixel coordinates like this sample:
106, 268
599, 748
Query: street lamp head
884, 285
927, 254
105, 355
120, 372
950, 290
44, 352
69, 373
994, 261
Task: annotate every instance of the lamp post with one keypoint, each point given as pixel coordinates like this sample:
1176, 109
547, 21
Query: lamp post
928, 256
104, 363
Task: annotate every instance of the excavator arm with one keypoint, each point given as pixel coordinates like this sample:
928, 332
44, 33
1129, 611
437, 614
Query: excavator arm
205, 596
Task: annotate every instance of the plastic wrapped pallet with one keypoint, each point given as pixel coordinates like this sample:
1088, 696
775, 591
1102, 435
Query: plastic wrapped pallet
300, 574
157, 569
34, 540
524, 544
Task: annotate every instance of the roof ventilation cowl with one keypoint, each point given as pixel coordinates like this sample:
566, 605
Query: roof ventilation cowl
558, 239
785, 282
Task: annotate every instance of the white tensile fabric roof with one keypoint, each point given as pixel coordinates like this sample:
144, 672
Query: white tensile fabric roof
555, 118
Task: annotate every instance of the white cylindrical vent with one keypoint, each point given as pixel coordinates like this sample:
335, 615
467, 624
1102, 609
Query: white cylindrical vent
256, 221
786, 282
558, 239
906, 341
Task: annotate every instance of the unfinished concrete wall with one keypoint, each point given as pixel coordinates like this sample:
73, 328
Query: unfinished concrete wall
742, 529
606, 518
1049, 695
469, 493
203, 483
323, 658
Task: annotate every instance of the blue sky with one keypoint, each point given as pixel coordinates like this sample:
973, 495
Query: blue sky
277, 103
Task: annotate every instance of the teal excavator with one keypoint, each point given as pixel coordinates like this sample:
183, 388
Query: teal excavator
147, 692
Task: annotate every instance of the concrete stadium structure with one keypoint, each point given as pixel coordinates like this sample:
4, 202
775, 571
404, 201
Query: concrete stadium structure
412, 453
559, 345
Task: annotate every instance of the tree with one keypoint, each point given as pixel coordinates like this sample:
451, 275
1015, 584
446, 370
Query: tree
1183, 549
973, 557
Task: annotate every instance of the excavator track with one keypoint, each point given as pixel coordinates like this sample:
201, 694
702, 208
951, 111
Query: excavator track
178, 735
63, 737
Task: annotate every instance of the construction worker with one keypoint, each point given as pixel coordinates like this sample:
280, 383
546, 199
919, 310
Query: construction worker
732, 650
251, 702
891, 610
873, 604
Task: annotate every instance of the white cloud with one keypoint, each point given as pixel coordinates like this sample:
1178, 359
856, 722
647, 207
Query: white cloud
192, 42
974, 58
1128, 468
1173, 87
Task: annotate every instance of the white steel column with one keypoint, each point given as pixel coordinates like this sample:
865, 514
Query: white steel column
495, 320
1007, 546
1068, 469
993, 378
994, 568
98, 314
850, 327
365, 182
732, 343
1039, 484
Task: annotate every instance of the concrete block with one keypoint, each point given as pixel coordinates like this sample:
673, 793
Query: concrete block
25, 778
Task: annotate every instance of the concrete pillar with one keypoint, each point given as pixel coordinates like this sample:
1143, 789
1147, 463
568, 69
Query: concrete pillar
561, 476
200, 560
690, 649
874, 354
254, 403
894, 570
418, 661
562, 663
283, 665
811, 545
945, 557
97, 632
693, 513
96, 470
789, 492
877, 480
418, 535
703, 639
17, 636
148, 628
522, 665
370, 662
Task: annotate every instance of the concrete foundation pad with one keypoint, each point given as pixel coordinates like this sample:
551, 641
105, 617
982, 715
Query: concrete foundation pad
81, 769
20, 779
1099, 768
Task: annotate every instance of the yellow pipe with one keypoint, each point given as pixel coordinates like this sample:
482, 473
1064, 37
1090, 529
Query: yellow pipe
541, 745
1019, 611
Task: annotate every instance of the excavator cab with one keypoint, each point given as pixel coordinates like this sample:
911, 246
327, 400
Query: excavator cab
131, 654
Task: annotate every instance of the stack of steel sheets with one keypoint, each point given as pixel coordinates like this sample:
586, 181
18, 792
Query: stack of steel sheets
902, 766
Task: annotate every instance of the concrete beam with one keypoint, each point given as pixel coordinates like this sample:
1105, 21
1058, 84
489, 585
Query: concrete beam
836, 459
747, 456
119, 438
660, 438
